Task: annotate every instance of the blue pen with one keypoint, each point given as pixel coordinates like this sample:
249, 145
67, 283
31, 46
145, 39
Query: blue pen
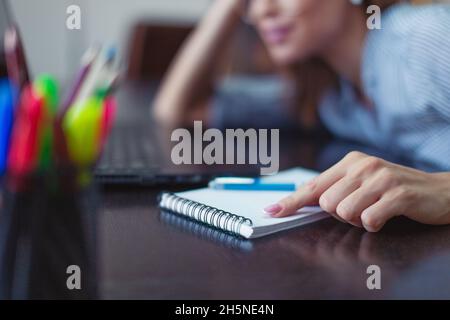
250, 184
6, 120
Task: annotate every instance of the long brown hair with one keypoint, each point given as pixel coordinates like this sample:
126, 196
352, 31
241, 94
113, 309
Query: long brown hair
314, 76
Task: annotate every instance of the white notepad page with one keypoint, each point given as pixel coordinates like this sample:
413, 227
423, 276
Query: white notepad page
251, 204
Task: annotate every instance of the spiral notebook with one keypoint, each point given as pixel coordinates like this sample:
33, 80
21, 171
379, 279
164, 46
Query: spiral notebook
241, 212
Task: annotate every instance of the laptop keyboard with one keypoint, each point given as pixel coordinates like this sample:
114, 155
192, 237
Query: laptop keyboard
129, 149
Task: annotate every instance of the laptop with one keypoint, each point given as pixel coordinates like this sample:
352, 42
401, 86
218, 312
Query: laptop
133, 155
138, 151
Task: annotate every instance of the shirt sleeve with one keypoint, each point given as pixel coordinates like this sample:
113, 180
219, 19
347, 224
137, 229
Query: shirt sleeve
430, 59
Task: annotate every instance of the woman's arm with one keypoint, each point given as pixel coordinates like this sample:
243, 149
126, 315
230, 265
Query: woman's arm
188, 86
367, 192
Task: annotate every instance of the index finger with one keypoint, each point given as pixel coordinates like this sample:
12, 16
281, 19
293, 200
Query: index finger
311, 193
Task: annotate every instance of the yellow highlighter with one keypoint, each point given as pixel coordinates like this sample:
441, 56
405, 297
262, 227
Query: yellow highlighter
82, 128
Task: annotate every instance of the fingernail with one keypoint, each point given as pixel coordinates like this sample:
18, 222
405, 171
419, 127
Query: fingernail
273, 209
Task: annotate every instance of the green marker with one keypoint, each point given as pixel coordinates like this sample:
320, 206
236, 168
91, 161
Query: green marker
47, 87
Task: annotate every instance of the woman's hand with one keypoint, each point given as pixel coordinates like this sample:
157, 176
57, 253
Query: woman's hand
367, 192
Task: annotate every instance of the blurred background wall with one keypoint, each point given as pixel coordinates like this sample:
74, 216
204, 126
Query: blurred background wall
52, 48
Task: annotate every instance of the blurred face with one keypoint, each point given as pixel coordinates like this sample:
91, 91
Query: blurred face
294, 30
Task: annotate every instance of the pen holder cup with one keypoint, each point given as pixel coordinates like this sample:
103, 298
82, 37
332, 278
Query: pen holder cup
48, 240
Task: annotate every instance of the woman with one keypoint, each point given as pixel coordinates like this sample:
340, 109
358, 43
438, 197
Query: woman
389, 88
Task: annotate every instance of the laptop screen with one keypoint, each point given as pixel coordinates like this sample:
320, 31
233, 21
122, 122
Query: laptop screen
3, 23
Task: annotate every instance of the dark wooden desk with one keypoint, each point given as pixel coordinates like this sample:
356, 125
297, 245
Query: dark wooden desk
145, 254
144, 257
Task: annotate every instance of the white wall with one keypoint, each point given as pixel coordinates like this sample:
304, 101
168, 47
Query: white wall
45, 38
2, 22
110, 20
52, 48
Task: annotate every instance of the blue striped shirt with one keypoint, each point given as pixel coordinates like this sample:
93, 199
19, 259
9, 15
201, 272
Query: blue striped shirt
406, 74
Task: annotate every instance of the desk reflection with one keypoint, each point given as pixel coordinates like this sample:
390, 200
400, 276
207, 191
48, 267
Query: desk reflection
204, 232
342, 254
43, 232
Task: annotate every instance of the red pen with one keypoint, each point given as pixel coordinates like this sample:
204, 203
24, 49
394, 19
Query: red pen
109, 113
23, 155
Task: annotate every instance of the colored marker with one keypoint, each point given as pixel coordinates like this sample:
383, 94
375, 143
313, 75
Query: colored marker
24, 148
82, 128
46, 88
6, 121
110, 86
108, 116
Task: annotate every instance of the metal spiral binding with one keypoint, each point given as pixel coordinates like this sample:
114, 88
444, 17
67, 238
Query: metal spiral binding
210, 216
